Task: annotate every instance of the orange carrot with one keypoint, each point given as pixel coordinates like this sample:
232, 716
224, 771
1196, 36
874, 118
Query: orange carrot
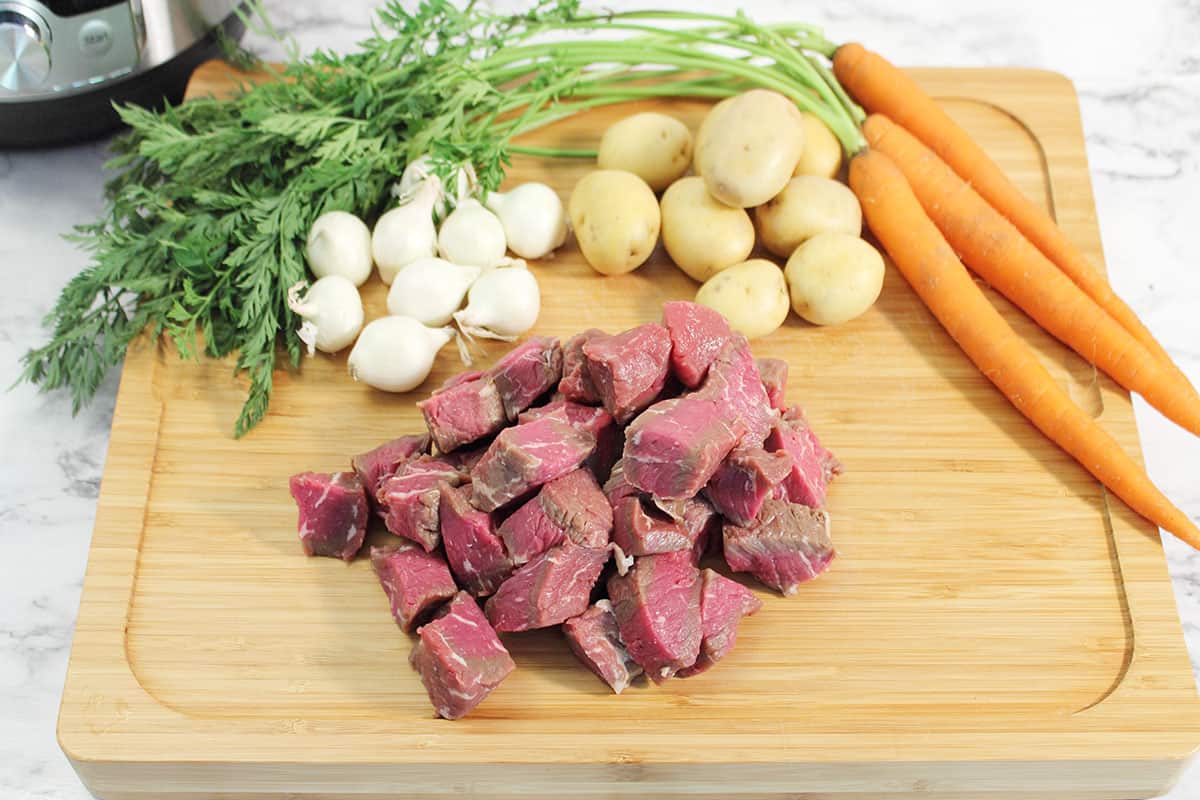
929, 264
994, 249
882, 87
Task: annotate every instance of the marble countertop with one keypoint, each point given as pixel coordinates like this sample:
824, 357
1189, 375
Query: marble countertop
1137, 69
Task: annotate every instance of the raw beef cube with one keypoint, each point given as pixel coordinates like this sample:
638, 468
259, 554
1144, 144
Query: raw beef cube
733, 381
746, 478
618, 486
813, 467
723, 603
464, 459
786, 545
774, 372
657, 606
530, 370
593, 638
460, 658
457, 380
640, 529
576, 384
553, 587
594, 420
571, 507
673, 448
416, 582
526, 456
409, 499
630, 369
476, 554
382, 462
697, 335
463, 412
333, 513
702, 524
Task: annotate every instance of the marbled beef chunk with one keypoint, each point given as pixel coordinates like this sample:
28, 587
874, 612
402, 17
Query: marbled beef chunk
459, 658
813, 467
745, 479
530, 370
697, 335
723, 603
416, 582
786, 545
568, 508
524, 457
657, 606
409, 499
629, 370
594, 639
465, 410
593, 419
553, 587
774, 372
475, 553
576, 384
642, 529
373, 466
332, 517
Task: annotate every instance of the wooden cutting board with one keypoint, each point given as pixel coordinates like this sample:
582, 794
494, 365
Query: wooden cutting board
996, 625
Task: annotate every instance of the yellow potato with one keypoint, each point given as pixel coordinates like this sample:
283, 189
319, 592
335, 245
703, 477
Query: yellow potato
701, 235
752, 296
808, 205
833, 278
822, 155
655, 147
748, 146
616, 220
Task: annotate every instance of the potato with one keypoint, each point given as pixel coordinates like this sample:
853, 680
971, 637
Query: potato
822, 154
752, 296
616, 220
808, 205
655, 147
833, 278
748, 146
701, 235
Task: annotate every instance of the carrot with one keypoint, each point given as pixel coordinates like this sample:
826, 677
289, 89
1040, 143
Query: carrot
929, 264
994, 249
882, 87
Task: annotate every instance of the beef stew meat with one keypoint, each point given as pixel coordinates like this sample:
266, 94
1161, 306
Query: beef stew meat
723, 603
416, 583
409, 499
746, 478
593, 419
774, 372
571, 507
697, 335
813, 467
629, 370
576, 384
786, 545
459, 658
673, 448
530, 370
595, 641
553, 587
526, 456
373, 466
640, 529
657, 606
474, 551
463, 412
332, 518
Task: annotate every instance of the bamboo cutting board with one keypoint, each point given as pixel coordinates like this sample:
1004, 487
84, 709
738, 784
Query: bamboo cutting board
995, 627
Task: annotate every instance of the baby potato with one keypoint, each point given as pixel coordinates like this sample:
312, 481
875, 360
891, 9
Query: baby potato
833, 278
655, 147
752, 296
808, 205
822, 154
748, 146
616, 220
701, 235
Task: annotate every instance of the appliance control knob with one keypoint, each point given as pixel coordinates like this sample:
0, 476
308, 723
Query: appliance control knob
24, 53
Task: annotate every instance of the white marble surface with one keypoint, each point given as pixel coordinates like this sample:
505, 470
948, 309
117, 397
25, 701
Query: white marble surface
1137, 68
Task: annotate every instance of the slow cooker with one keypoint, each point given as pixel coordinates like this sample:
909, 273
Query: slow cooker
63, 63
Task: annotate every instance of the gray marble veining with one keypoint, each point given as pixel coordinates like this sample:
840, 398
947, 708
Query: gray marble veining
1137, 69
